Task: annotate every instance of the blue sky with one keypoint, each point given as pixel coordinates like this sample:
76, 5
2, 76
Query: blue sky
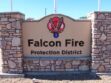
73, 8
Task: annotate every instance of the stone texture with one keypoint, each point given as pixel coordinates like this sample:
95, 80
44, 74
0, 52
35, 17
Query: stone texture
109, 47
68, 65
102, 28
76, 62
4, 19
103, 37
11, 37
58, 62
59, 65
101, 68
101, 24
95, 66
101, 16
104, 48
16, 41
11, 64
109, 27
83, 68
44, 63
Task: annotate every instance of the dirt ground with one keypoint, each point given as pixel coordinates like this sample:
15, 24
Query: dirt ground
104, 79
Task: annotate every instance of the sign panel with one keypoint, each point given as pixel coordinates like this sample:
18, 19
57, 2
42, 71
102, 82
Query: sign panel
56, 35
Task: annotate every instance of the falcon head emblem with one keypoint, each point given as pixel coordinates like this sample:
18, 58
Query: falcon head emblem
56, 26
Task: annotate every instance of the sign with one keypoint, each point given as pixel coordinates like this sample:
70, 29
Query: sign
58, 35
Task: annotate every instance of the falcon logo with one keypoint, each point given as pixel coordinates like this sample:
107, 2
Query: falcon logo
56, 25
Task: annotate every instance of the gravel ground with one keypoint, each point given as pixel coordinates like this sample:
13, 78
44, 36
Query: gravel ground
104, 79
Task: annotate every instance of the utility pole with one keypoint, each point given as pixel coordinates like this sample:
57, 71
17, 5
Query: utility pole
99, 5
55, 6
45, 11
11, 5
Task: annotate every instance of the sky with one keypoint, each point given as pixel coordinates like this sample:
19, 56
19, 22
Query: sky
36, 8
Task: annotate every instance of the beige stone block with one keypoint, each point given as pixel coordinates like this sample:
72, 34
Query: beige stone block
76, 62
52, 68
69, 69
108, 66
13, 24
5, 34
17, 34
52, 61
101, 68
8, 39
107, 60
4, 19
5, 62
103, 48
8, 47
109, 38
1, 69
109, 27
44, 63
101, 17
18, 26
12, 19
102, 28
0, 38
19, 48
36, 61
5, 22
103, 37
108, 31
96, 51
110, 61
60, 70
12, 52
16, 41
13, 70
32, 67
13, 48
5, 69
19, 60
95, 65
68, 65
19, 54
83, 67
95, 71
28, 68
0, 51
8, 26
0, 44
97, 36
47, 69
2, 15
108, 42
58, 62
11, 64
17, 31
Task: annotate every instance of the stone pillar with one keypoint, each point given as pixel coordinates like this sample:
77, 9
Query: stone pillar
11, 49
101, 42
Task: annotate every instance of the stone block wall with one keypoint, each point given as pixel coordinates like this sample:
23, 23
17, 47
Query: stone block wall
11, 48
56, 65
101, 42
